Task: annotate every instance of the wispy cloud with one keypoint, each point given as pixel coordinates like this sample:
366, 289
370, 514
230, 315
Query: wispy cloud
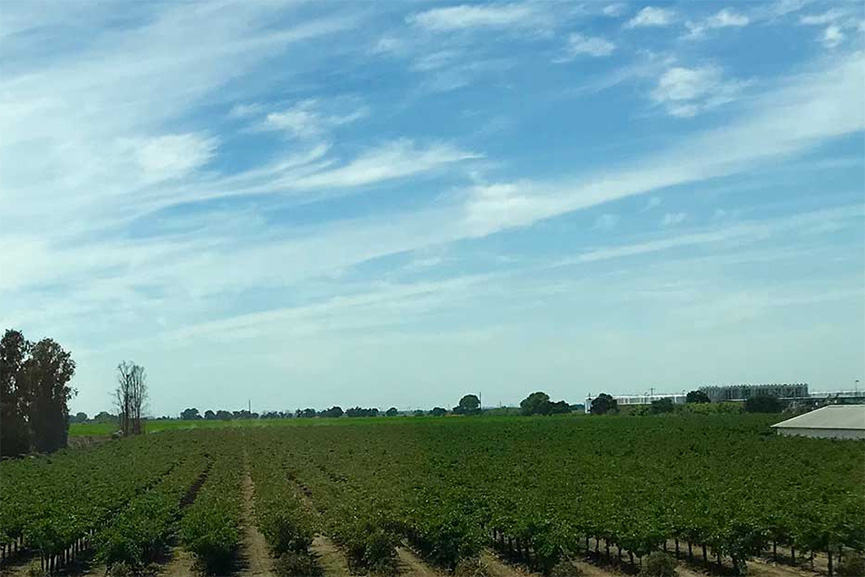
686, 92
651, 16
579, 45
470, 16
673, 218
306, 119
725, 18
606, 221
396, 159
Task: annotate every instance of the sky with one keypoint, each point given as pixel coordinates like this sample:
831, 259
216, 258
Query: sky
304, 204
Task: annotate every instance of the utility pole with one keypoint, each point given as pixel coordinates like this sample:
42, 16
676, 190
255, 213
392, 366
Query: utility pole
249, 407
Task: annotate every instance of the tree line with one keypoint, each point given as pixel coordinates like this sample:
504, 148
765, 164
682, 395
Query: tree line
34, 394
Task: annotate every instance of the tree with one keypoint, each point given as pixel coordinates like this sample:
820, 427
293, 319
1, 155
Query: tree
105, 418
664, 405
537, 403
209, 415
305, 413
14, 432
190, 415
763, 404
418, 413
560, 408
469, 405
391, 412
604, 404
223, 415
333, 412
80, 417
47, 372
130, 396
697, 397
438, 412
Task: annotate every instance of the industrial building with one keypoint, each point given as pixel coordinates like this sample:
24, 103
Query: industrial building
645, 399
744, 392
830, 422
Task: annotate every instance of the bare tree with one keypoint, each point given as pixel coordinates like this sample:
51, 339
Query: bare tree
130, 396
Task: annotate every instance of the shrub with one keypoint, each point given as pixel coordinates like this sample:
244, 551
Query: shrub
659, 564
285, 531
294, 564
852, 565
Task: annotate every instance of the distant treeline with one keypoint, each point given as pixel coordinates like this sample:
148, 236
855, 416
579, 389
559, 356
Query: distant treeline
537, 403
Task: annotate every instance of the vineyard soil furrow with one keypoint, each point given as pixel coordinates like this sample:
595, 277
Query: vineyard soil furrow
411, 564
180, 563
499, 568
254, 558
330, 557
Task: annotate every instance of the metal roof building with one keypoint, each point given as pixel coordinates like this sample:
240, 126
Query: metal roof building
831, 422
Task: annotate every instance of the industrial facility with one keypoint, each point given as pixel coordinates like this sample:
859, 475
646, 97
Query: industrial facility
830, 422
745, 392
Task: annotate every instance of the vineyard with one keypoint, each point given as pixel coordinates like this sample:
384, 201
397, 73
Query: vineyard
714, 492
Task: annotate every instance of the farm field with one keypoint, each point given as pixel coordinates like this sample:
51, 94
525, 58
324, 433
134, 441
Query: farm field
154, 426
437, 496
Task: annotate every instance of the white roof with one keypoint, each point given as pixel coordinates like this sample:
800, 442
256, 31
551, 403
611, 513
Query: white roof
830, 417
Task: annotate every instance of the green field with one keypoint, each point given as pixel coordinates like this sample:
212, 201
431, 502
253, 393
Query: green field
99, 429
539, 492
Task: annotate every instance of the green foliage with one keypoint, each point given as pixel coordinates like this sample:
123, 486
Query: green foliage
391, 412
661, 406
210, 529
438, 412
297, 565
538, 403
763, 404
697, 396
659, 564
468, 405
604, 404
34, 392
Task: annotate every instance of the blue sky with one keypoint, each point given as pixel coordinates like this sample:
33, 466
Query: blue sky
395, 203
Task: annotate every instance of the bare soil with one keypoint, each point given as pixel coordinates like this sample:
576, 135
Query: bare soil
254, 558
180, 564
499, 568
411, 564
330, 557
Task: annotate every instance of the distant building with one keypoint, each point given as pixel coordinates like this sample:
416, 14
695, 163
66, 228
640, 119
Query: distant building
831, 422
744, 392
623, 400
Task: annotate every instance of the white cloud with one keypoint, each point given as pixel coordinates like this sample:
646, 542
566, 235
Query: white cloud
832, 36
615, 10
388, 45
674, 218
172, 156
396, 159
828, 17
606, 222
725, 18
476, 16
579, 45
651, 16
653, 202
307, 120
686, 92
